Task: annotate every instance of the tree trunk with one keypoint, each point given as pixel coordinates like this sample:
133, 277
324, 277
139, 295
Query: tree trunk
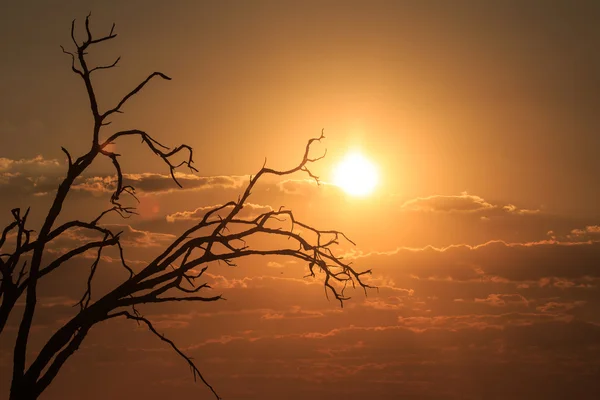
8, 302
23, 391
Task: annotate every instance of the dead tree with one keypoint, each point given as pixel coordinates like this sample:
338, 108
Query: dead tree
170, 276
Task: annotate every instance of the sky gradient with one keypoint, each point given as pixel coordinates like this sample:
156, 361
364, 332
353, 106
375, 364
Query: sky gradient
483, 234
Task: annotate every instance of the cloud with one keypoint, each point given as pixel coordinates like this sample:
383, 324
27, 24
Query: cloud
273, 328
558, 306
24, 165
36, 176
249, 211
590, 231
528, 261
525, 304
306, 187
274, 264
159, 183
256, 282
480, 321
386, 303
295, 313
140, 238
463, 203
502, 300
129, 237
39, 177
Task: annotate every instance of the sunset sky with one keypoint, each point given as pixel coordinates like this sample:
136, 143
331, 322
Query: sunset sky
480, 120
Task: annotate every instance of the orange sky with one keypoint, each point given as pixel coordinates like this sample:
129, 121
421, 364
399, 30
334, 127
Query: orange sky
483, 232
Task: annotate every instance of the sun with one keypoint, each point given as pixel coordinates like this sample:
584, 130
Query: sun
356, 175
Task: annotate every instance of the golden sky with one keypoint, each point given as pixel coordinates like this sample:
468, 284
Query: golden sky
483, 231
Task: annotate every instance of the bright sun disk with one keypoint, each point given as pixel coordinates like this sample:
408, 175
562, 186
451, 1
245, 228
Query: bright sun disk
356, 175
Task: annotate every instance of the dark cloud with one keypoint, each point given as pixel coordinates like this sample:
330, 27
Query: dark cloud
159, 183
40, 177
34, 165
530, 261
35, 176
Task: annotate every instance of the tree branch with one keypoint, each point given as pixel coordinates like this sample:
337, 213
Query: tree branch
105, 66
195, 371
157, 148
170, 277
60, 359
139, 87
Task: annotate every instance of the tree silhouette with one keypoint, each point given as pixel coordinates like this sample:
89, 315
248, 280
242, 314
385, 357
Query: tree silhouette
220, 236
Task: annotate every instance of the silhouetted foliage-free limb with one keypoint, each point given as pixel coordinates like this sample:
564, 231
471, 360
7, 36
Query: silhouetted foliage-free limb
172, 275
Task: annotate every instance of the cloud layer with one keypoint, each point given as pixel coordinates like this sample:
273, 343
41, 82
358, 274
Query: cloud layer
476, 299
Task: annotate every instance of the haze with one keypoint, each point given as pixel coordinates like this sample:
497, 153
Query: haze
482, 232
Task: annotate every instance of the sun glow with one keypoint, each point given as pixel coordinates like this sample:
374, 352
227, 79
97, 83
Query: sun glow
356, 175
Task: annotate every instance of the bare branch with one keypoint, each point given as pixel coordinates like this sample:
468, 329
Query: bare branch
157, 148
73, 61
78, 224
73, 34
196, 372
61, 358
305, 160
106, 67
87, 295
75, 252
124, 212
87, 28
139, 87
90, 40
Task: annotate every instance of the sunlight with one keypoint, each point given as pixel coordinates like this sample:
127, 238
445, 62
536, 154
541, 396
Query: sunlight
355, 175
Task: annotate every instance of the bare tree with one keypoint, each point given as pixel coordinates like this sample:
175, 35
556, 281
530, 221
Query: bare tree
220, 236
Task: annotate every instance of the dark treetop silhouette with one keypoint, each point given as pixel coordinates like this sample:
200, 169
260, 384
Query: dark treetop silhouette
169, 277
